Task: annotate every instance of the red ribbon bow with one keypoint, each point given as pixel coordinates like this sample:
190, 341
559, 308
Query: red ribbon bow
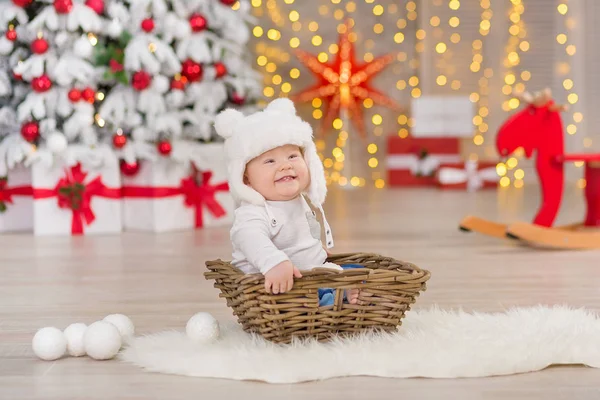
196, 194
72, 193
7, 193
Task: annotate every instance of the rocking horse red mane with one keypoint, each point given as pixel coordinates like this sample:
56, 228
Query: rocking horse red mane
538, 129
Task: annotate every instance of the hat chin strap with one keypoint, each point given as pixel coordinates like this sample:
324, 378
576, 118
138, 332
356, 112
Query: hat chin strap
317, 189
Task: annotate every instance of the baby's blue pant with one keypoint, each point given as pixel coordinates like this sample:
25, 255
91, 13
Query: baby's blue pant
327, 295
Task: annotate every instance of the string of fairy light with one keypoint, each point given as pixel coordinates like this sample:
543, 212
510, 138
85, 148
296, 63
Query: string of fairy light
514, 84
564, 69
481, 98
404, 120
453, 22
444, 63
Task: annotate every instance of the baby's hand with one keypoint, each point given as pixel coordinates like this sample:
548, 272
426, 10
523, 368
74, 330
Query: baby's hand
280, 278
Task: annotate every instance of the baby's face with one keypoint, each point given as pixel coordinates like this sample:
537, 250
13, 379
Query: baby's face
279, 174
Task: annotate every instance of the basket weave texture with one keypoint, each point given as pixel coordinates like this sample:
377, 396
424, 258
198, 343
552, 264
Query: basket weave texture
388, 288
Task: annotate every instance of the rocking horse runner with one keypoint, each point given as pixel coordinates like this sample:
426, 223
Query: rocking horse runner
538, 128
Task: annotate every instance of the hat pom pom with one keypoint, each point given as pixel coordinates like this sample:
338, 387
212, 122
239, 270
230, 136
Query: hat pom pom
225, 122
282, 105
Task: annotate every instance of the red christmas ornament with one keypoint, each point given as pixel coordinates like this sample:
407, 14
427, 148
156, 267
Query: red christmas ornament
11, 35
39, 46
74, 95
129, 169
41, 84
237, 99
148, 25
18, 77
228, 2
63, 6
22, 3
30, 131
191, 70
115, 66
220, 69
164, 147
141, 80
178, 84
89, 95
197, 22
96, 5
119, 140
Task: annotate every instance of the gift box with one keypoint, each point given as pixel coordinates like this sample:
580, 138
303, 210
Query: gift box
77, 200
16, 201
442, 116
170, 195
413, 161
469, 175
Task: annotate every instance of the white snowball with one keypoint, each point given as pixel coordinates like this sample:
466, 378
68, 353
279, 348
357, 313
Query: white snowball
61, 38
203, 328
114, 28
160, 84
175, 98
102, 340
83, 48
6, 45
74, 335
134, 119
123, 324
56, 142
49, 344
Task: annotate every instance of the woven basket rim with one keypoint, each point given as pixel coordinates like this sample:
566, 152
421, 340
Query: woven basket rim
328, 272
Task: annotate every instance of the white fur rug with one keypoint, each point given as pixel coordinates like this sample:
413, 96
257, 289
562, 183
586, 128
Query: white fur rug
432, 343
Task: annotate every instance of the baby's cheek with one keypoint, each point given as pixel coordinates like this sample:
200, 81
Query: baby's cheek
306, 180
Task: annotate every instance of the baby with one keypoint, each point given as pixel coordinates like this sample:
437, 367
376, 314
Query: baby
272, 163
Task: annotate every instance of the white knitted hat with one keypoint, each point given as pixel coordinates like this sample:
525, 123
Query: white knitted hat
247, 137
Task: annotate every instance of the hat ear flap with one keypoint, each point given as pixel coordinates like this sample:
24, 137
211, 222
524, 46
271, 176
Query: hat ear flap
317, 190
226, 121
239, 190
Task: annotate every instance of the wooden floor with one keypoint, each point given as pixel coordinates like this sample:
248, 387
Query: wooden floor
157, 281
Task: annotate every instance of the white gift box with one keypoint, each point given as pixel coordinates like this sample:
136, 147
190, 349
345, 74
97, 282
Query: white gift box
442, 116
171, 195
16, 196
92, 207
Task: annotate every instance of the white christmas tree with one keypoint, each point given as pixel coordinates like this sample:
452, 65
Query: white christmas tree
13, 90
174, 67
49, 48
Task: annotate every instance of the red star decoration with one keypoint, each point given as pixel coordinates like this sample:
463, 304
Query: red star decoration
344, 84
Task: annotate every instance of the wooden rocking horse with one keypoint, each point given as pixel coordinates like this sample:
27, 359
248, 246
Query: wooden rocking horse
538, 127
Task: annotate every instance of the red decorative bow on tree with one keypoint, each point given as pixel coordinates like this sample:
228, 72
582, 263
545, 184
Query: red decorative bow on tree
74, 194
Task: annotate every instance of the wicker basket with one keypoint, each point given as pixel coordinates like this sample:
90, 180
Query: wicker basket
388, 288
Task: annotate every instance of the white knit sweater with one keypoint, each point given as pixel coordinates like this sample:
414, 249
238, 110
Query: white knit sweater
264, 236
